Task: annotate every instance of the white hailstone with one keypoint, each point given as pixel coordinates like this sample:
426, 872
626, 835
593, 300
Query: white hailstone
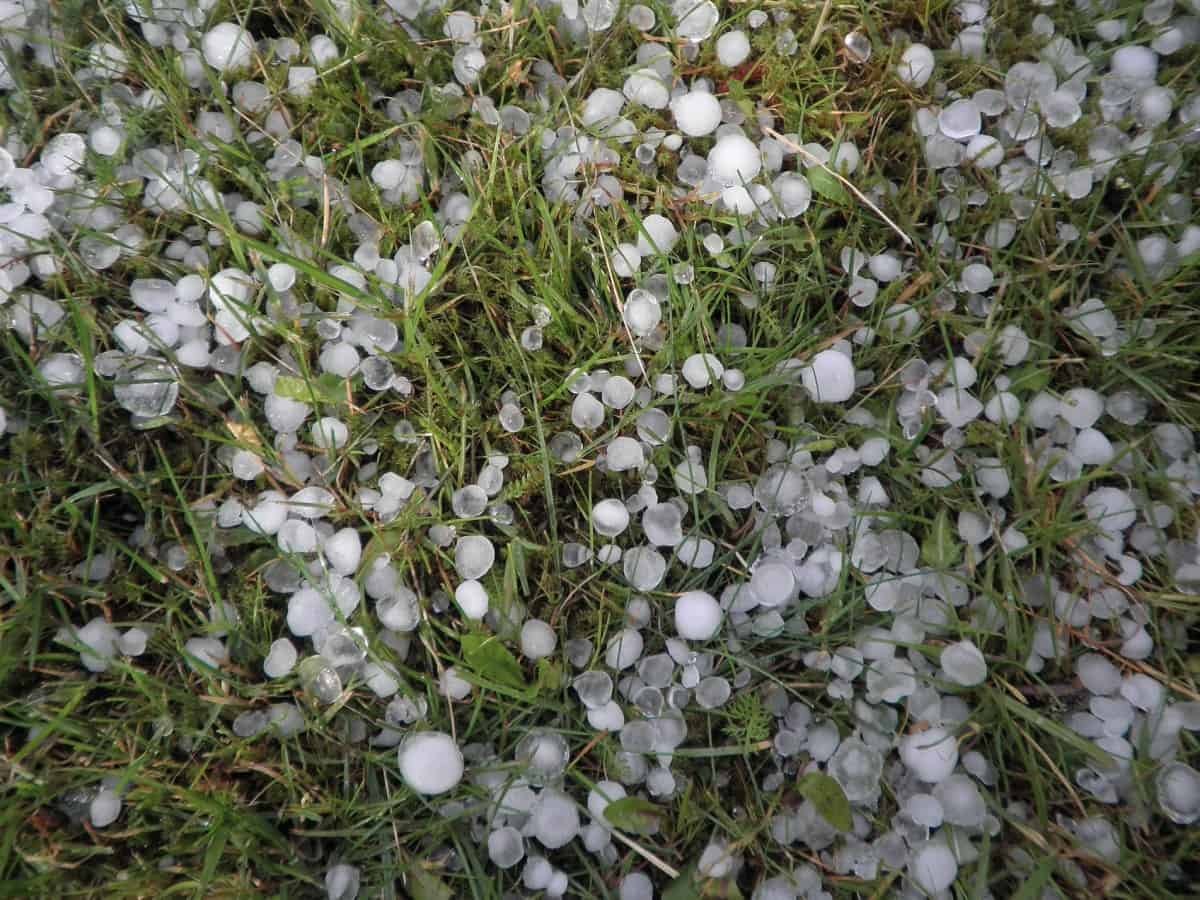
538, 639
469, 502
610, 517
106, 140
468, 63
1097, 675
554, 819
311, 503
697, 113
1178, 789
602, 107
511, 418
732, 48
963, 663
932, 866
505, 847
657, 235
916, 66
342, 882
587, 413
924, 810
300, 81
430, 762
1082, 407
930, 755
297, 537
104, 808
644, 568
697, 616
626, 259
618, 392
472, 599
984, 152
474, 555
623, 454
961, 120
329, 433
700, 369
829, 378
958, 407
1111, 509
733, 160
647, 88
695, 20
227, 46
624, 649
793, 193
452, 685
642, 312
1003, 408
281, 658
267, 516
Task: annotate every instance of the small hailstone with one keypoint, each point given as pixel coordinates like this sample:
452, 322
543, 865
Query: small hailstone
505, 847
916, 66
618, 392
227, 46
623, 454
587, 413
512, 419
858, 47
732, 48
624, 649
829, 378
430, 762
960, 121
697, 113
930, 755
554, 819
610, 517
699, 369
472, 599
734, 159
538, 639
281, 659
104, 808
342, 882
1178, 789
963, 664
932, 867
473, 556
697, 616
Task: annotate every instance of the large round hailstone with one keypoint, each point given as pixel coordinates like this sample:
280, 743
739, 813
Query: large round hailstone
695, 21
227, 46
697, 616
555, 819
610, 517
647, 87
964, 664
734, 159
732, 48
1111, 509
932, 867
697, 113
430, 762
1178, 788
474, 555
931, 755
829, 378
916, 66
658, 235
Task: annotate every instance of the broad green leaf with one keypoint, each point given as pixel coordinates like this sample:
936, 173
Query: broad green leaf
690, 886
634, 814
825, 184
490, 659
424, 885
941, 548
829, 799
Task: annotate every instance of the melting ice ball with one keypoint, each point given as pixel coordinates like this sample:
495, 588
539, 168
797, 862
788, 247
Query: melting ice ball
697, 616
430, 762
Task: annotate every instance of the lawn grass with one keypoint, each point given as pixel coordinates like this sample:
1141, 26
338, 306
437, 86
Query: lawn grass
209, 814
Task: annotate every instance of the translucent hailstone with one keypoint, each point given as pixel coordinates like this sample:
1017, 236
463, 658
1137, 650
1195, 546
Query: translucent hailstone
642, 312
617, 392
624, 649
793, 194
734, 160
430, 762
916, 66
469, 502
961, 120
930, 755
1178, 790
1060, 108
623, 454
146, 388
342, 882
227, 46
512, 419
695, 20
610, 517
932, 866
644, 568
538, 639
587, 413
697, 616
700, 369
984, 152
468, 64
505, 847
554, 819
829, 378
281, 659
663, 524
641, 17
963, 663
1111, 509
657, 235
473, 556
857, 46
733, 47
697, 113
